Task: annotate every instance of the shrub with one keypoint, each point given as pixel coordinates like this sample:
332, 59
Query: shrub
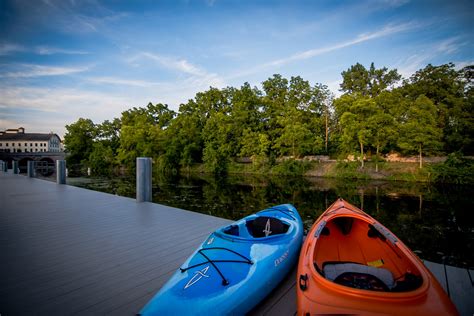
456, 169
291, 167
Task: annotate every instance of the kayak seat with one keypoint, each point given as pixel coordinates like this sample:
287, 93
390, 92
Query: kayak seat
264, 226
359, 276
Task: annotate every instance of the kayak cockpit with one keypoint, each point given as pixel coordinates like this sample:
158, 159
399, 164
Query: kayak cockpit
361, 254
257, 227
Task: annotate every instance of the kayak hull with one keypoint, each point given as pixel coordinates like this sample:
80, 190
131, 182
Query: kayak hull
232, 271
351, 264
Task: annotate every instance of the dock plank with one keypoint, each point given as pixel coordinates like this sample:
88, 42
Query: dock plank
69, 250
438, 271
461, 289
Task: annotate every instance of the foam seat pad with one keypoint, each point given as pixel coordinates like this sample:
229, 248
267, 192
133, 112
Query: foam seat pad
333, 270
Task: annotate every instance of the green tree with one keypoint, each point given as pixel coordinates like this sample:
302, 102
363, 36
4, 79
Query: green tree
218, 143
449, 91
255, 145
420, 132
274, 101
183, 140
294, 115
246, 115
101, 159
109, 133
296, 138
383, 131
79, 139
356, 124
368, 82
143, 133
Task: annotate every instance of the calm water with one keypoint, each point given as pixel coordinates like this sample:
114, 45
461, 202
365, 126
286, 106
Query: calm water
435, 221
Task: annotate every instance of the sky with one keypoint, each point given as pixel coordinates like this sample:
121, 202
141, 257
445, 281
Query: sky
66, 59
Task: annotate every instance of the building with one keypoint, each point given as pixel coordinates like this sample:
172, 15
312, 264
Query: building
17, 141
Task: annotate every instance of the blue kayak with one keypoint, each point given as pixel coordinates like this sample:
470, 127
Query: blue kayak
235, 268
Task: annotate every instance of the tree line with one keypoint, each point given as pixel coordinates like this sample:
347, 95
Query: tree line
379, 112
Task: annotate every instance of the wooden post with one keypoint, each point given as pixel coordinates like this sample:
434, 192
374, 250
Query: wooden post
61, 171
144, 179
15, 166
31, 168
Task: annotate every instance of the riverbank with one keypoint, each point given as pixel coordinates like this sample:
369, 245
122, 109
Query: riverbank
459, 172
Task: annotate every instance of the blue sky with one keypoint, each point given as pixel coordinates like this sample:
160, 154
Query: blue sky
61, 60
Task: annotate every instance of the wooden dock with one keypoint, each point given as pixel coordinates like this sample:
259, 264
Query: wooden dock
67, 250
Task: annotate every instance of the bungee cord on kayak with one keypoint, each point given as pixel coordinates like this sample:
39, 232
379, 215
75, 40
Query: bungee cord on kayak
212, 262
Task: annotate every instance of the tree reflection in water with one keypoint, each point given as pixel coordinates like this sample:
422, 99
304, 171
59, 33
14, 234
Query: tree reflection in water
437, 222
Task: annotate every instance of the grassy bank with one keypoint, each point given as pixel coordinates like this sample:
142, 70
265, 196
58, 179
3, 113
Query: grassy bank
391, 171
454, 170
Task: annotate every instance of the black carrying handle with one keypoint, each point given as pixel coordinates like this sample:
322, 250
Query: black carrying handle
303, 282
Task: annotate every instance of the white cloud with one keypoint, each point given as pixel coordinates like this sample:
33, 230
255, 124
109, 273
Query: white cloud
415, 62
394, 3
8, 123
180, 65
210, 2
67, 102
47, 50
335, 87
9, 48
12, 48
29, 71
124, 82
461, 64
196, 78
68, 16
449, 45
41, 107
46, 109
385, 31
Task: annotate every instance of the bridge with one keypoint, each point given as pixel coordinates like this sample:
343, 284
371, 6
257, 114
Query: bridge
45, 161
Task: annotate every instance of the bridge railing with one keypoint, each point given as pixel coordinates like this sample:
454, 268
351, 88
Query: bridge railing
39, 169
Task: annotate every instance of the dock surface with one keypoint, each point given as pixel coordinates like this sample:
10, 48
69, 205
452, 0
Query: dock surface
67, 250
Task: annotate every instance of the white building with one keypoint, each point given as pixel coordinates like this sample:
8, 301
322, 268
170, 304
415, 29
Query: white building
16, 140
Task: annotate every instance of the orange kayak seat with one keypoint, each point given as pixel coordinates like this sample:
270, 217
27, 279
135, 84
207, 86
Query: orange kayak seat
359, 276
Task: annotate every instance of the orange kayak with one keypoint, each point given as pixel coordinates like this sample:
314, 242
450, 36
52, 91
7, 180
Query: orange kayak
352, 264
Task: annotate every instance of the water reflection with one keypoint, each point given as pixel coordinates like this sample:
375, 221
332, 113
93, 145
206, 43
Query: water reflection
437, 222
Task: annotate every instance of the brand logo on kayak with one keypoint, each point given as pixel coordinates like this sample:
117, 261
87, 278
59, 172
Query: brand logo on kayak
267, 230
198, 275
281, 259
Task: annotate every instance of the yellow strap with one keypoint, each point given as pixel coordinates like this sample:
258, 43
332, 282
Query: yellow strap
376, 263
